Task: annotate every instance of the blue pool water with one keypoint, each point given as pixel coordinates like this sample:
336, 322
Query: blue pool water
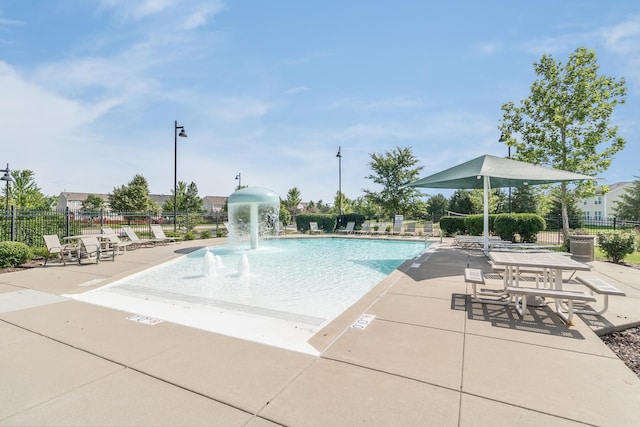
305, 281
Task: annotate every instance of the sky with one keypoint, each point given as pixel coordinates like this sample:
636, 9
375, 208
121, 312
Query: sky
90, 90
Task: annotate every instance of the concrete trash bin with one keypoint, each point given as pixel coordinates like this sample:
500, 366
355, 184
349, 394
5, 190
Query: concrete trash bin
582, 247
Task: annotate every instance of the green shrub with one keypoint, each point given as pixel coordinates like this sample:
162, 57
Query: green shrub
474, 224
206, 234
506, 226
14, 254
326, 222
616, 244
452, 225
529, 225
189, 235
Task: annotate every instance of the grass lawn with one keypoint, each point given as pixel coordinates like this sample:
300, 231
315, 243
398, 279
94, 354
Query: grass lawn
633, 258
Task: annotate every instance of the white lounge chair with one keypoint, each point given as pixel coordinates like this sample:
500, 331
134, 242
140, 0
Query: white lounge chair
114, 240
348, 229
366, 228
313, 228
54, 247
135, 240
411, 229
382, 228
90, 245
397, 227
159, 235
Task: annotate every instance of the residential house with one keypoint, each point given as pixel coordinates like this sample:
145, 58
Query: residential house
603, 206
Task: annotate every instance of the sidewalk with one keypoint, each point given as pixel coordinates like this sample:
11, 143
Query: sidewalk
430, 357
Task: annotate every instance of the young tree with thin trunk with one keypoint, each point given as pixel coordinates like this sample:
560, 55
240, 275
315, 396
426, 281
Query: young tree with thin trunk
566, 121
392, 170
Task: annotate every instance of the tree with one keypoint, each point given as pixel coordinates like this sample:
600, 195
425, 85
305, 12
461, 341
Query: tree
524, 199
498, 201
460, 202
628, 207
133, 197
565, 120
437, 205
24, 193
345, 203
292, 201
187, 201
92, 203
392, 170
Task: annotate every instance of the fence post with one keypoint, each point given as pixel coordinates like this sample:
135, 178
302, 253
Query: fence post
614, 223
101, 218
13, 223
67, 221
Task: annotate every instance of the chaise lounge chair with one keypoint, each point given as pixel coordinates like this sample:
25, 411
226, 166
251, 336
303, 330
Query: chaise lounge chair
348, 229
135, 240
313, 228
114, 240
159, 235
90, 245
397, 227
54, 247
366, 228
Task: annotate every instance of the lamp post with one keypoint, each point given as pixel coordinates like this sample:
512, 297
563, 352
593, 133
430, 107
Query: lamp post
502, 139
175, 169
7, 178
239, 178
339, 156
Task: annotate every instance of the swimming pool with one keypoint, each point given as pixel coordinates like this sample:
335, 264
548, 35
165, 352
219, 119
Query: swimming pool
301, 284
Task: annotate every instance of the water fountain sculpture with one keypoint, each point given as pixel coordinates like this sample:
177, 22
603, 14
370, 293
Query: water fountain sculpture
253, 213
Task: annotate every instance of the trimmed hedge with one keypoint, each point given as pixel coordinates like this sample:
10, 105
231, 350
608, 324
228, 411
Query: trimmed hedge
326, 222
527, 226
474, 224
452, 225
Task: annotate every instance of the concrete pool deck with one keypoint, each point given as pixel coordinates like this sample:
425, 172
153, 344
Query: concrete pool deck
430, 357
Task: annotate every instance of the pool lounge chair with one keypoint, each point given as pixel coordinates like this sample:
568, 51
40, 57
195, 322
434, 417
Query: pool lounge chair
410, 230
397, 228
136, 241
159, 235
348, 229
90, 245
54, 247
114, 240
366, 228
313, 228
382, 228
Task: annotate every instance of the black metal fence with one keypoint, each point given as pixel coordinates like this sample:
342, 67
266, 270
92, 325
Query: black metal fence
28, 226
553, 233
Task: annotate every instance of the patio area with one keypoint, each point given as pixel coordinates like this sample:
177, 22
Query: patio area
430, 357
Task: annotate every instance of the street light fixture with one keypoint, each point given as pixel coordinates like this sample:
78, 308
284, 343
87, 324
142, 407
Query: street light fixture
502, 139
7, 178
339, 156
239, 178
183, 134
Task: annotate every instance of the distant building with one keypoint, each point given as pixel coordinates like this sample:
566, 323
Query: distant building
73, 201
603, 206
214, 203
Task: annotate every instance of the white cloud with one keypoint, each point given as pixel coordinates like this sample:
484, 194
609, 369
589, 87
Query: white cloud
359, 104
623, 38
298, 89
236, 109
488, 48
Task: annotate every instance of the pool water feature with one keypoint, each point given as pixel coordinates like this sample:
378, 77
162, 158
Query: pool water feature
290, 287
